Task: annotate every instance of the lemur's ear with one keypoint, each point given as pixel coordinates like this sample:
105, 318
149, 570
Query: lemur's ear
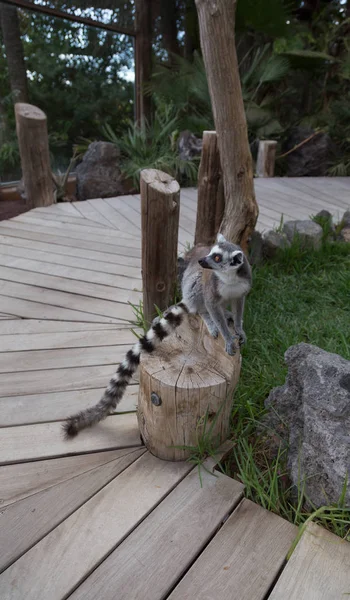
220, 238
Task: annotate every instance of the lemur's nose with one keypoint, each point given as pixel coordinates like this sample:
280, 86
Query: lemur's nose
203, 262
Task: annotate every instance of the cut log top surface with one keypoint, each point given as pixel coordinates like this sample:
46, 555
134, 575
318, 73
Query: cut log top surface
160, 181
29, 111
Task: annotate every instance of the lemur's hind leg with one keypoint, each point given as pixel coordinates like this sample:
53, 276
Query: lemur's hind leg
212, 328
229, 317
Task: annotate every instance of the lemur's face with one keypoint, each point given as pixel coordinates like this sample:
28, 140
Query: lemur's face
224, 256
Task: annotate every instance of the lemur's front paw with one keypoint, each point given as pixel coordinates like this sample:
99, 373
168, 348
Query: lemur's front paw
230, 346
242, 338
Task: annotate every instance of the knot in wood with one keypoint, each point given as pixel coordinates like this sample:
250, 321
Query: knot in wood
241, 173
155, 399
160, 287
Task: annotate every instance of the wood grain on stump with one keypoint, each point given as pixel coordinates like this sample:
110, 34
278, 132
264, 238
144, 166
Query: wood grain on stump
188, 375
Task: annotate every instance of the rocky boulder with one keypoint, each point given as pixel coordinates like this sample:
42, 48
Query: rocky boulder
99, 175
273, 241
311, 413
308, 232
313, 158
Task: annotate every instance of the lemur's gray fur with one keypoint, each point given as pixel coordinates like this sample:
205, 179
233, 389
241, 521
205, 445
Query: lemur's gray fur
213, 278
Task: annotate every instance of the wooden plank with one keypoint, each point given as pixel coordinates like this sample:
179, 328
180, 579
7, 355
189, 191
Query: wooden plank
24, 523
27, 309
55, 380
53, 567
316, 191
69, 298
72, 231
68, 339
63, 284
130, 210
130, 272
95, 259
57, 406
301, 201
20, 230
125, 216
319, 568
103, 207
62, 358
89, 212
166, 543
22, 480
36, 326
243, 560
45, 440
69, 272
65, 208
47, 215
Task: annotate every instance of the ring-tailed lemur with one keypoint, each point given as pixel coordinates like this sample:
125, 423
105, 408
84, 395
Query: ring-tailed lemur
213, 278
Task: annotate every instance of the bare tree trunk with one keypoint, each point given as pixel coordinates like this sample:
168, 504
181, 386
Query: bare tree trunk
168, 15
14, 52
192, 42
217, 31
143, 58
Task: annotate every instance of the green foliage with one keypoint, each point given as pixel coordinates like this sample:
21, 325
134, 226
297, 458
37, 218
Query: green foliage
301, 296
154, 145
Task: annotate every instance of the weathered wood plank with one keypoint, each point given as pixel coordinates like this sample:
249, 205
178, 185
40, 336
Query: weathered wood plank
125, 216
45, 254
69, 339
47, 215
54, 566
89, 212
120, 282
22, 480
37, 327
70, 251
70, 230
57, 406
243, 559
166, 543
319, 568
55, 380
65, 208
45, 440
61, 358
19, 230
26, 521
31, 309
68, 298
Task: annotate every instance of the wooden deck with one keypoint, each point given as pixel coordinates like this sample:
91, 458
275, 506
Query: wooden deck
98, 517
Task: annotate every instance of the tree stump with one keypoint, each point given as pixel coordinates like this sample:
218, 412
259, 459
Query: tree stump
211, 197
190, 375
160, 210
31, 125
265, 164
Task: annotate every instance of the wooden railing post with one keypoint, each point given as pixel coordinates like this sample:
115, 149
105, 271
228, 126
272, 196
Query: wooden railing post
265, 164
211, 197
31, 125
160, 210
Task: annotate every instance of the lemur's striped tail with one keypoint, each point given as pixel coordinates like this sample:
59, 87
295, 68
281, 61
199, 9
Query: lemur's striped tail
114, 392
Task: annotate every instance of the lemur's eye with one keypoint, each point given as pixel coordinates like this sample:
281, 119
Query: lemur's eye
217, 258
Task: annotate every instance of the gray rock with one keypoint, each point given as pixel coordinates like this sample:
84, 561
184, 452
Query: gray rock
325, 215
255, 248
346, 219
274, 241
189, 145
99, 175
312, 158
308, 232
344, 235
311, 413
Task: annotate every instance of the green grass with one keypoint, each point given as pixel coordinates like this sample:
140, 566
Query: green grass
302, 296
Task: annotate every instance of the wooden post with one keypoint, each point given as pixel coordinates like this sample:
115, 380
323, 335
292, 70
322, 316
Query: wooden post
177, 390
31, 125
160, 210
217, 32
211, 198
265, 164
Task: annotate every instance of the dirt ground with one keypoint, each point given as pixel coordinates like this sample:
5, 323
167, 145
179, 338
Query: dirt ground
11, 208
